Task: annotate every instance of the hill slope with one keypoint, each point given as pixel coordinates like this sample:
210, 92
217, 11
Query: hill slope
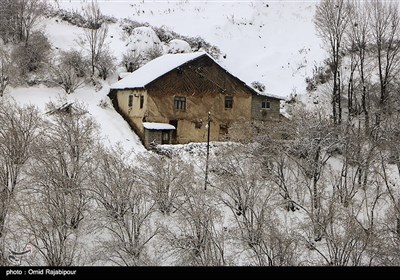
273, 42
270, 42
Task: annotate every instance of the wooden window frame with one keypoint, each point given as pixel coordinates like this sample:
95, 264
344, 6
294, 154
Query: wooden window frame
141, 101
180, 103
130, 101
228, 102
266, 104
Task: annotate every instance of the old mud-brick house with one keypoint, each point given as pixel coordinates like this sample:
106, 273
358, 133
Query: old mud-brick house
167, 100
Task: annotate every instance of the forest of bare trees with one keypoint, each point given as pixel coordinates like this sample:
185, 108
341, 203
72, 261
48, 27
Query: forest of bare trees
318, 189
323, 195
362, 41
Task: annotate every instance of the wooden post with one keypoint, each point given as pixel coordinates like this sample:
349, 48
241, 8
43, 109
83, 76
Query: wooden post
208, 149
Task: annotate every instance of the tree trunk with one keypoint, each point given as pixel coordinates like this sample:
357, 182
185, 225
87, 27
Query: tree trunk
316, 176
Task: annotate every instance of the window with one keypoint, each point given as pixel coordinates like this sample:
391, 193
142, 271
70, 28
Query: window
130, 100
228, 102
266, 104
180, 103
141, 101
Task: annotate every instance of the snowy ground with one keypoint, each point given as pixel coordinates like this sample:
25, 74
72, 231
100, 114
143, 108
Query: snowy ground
273, 42
114, 129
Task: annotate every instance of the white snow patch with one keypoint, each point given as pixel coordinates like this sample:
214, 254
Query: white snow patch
178, 46
158, 126
113, 128
143, 39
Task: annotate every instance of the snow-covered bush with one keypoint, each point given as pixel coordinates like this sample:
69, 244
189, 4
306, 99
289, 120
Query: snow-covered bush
32, 55
105, 103
178, 46
75, 17
143, 39
70, 72
105, 64
258, 86
153, 53
131, 60
76, 60
129, 25
165, 35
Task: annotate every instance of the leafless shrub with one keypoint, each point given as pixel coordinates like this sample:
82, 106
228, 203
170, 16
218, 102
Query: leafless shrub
70, 72
58, 185
165, 178
198, 237
125, 207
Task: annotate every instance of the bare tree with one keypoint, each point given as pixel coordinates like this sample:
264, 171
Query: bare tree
19, 18
197, 237
70, 72
274, 153
166, 178
311, 148
33, 54
253, 201
345, 241
331, 20
59, 181
5, 65
384, 22
17, 133
125, 207
105, 64
359, 41
95, 33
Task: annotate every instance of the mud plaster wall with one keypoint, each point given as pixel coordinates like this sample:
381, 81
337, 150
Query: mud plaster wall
152, 136
135, 113
205, 85
259, 113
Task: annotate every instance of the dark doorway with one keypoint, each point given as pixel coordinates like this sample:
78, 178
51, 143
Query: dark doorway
223, 132
165, 137
174, 137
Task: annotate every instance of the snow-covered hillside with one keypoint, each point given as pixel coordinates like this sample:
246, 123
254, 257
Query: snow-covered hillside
273, 42
114, 129
321, 194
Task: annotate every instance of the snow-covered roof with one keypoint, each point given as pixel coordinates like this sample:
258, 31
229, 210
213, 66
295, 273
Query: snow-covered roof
155, 69
164, 64
158, 126
267, 94
124, 74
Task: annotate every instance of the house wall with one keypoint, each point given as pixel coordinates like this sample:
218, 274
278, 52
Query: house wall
259, 113
205, 85
134, 112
